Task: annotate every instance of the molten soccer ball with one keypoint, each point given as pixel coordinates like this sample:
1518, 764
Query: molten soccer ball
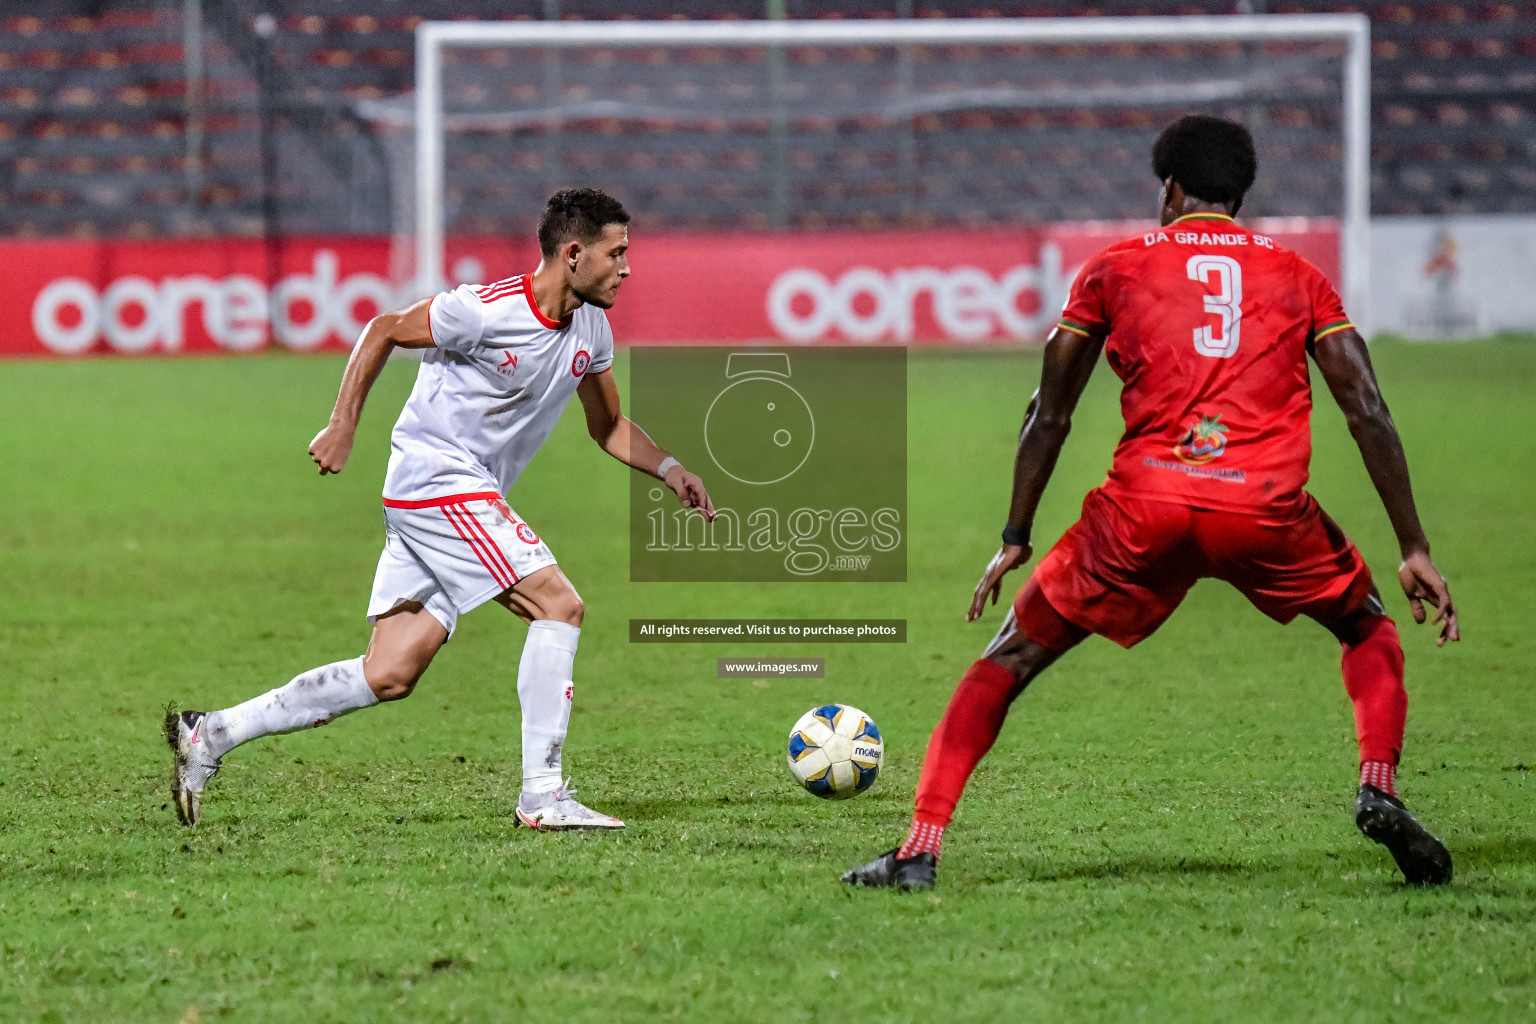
835, 751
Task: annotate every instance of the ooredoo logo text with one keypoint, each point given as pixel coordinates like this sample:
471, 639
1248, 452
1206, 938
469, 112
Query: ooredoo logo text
137, 314
866, 304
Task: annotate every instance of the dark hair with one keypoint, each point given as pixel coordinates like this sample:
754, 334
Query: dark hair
579, 213
1212, 159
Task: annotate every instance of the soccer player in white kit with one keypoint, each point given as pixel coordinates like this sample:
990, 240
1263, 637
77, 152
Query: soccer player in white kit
501, 362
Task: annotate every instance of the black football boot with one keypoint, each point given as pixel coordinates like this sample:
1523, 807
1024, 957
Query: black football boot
886, 871
1421, 857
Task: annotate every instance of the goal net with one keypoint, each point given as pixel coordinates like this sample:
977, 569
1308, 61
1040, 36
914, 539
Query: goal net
871, 134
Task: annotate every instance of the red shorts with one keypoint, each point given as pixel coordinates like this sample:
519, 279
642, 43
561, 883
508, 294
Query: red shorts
1123, 568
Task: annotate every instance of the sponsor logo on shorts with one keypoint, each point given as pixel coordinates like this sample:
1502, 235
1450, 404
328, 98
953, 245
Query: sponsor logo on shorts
1202, 441
581, 362
526, 535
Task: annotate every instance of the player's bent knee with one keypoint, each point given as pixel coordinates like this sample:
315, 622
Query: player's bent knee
1020, 665
1359, 626
564, 605
392, 687
1023, 658
391, 682
397, 689
545, 595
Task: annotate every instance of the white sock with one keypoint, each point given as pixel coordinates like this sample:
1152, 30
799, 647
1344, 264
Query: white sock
309, 699
544, 691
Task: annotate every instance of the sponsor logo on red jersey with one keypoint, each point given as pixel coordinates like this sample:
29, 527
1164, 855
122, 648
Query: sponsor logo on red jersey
1203, 441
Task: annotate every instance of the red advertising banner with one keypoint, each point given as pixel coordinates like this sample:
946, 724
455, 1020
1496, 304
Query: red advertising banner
77, 298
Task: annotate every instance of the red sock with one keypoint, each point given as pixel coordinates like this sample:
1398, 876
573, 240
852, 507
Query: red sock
922, 838
1373, 676
963, 736
1379, 774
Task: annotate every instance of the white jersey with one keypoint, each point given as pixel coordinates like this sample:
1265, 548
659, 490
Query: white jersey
490, 392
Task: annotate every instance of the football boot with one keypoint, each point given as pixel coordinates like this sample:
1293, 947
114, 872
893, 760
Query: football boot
191, 767
1421, 857
560, 810
887, 871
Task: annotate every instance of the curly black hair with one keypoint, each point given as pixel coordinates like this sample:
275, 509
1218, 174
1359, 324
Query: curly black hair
580, 214
1211, 158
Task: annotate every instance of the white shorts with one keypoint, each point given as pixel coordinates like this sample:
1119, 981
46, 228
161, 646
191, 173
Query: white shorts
452, 555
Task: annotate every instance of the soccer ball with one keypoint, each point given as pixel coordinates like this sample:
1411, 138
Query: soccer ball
835, 751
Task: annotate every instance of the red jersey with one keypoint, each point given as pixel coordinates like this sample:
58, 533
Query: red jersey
1207, 325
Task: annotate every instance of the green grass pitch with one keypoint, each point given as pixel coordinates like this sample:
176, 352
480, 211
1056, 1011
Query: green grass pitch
1160, 834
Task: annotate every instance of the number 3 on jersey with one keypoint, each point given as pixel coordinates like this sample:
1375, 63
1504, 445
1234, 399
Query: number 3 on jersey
1227, 303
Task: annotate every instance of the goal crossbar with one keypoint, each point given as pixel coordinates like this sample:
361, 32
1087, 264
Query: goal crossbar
1351, 29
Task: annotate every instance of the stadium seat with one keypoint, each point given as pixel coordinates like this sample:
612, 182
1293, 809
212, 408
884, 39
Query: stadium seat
110, 84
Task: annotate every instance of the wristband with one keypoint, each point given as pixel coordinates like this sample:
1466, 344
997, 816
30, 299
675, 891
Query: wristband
1015, 536
666, 465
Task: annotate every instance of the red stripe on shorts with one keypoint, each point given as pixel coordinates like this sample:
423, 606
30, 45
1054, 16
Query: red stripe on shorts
451, 499
451, 513
479, 528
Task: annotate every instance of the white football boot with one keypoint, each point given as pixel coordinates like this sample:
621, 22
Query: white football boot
560, 810
191, 767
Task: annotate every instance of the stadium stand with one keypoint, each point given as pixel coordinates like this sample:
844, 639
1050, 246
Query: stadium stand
95, 123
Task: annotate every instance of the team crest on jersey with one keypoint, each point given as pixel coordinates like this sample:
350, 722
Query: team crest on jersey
581, 362
1203, 441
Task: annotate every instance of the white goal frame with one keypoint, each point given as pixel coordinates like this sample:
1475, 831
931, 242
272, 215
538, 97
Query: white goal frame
1354, 30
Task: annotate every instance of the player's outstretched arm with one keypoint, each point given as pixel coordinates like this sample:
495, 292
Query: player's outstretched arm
1069, 362
617, 435
1346, 366
404, 328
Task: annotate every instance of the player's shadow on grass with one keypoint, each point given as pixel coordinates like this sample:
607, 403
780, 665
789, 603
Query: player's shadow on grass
1481, 854
700, 808
1491, 851
1131, 867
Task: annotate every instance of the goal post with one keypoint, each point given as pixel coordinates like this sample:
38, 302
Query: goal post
435, 40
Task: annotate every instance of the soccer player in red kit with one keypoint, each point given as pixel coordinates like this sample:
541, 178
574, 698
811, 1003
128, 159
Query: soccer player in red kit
1208, 326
